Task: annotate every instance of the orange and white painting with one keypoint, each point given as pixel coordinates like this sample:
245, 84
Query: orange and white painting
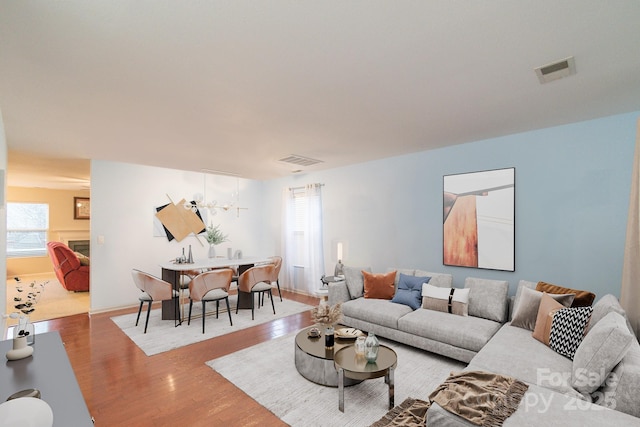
479, 219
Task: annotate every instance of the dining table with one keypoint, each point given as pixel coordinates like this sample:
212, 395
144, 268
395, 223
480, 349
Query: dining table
173, 272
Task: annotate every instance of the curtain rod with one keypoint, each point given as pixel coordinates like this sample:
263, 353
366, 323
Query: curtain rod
302, 187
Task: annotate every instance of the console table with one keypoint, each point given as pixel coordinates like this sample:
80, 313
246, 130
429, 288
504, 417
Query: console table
171, 273
49, 371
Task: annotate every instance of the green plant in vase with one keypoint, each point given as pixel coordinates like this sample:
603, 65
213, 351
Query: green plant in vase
214, 236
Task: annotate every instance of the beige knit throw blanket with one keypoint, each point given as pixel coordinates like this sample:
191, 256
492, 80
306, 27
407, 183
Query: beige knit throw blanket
482, 398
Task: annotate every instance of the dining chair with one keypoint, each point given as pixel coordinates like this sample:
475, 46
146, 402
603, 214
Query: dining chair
184, 281
154, 289
277, 263
256, 280
210, 286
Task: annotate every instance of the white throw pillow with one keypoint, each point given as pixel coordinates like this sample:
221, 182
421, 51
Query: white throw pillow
448, 300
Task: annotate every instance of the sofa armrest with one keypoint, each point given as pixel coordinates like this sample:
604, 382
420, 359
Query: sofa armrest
338, 293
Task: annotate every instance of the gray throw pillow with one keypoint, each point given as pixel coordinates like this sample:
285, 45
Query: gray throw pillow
525, 313
487, 298
604, 306
600, 351
355, 280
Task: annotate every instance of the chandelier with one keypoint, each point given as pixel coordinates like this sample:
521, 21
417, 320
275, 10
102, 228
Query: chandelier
199, 201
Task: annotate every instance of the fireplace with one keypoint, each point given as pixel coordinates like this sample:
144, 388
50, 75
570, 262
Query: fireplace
82, 246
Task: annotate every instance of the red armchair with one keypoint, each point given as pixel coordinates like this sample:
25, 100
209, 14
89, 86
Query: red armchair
72, 275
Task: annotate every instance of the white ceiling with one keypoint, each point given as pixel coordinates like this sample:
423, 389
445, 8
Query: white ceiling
236, 85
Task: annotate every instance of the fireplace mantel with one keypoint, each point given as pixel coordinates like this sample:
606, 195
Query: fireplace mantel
65, 235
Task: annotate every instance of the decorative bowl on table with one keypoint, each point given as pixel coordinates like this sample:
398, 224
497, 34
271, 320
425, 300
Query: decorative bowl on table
314, 333
349, 333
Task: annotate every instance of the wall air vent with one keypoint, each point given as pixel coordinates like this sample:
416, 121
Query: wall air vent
300, 160
557, 70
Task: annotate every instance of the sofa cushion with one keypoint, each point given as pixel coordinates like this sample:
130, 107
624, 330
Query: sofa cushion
513, 352
399, 271
516, 299
378, 311
600, 351
487, 298
547, 308
379, 285
604, 306
409, 290
354, 279
621, 389
582, 298
567, 329
470, 333
448, 300
526, 312
84, 260
437, 279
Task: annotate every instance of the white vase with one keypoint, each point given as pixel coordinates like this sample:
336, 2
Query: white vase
212, 250
20, 349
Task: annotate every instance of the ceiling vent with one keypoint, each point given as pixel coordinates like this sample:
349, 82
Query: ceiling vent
300, 160
557, 70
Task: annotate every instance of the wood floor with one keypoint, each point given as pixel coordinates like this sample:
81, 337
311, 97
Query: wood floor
124, 387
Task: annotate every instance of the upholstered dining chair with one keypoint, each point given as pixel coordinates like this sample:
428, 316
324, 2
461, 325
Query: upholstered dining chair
184, 281
256, 280
277, 263
154, 289
210, 286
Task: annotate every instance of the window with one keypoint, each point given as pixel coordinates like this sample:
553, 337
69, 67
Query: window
27, 227
302, 236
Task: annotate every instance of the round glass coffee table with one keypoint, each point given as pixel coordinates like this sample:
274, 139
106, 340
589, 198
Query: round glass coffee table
355, 367
315, 362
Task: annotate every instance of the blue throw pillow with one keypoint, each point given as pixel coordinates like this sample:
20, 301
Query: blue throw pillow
409, 290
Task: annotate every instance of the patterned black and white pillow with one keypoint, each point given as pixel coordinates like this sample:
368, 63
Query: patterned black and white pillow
567, 329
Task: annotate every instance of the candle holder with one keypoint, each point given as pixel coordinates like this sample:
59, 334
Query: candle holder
329, 337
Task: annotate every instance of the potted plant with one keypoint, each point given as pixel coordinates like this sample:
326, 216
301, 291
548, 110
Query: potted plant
214, 236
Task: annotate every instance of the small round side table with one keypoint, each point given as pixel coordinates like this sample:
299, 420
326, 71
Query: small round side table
356, 367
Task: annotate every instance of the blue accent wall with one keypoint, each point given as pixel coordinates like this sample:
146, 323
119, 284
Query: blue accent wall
572, 193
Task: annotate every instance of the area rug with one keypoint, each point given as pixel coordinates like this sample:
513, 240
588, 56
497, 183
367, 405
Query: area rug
163, 336
274, 382
53, 302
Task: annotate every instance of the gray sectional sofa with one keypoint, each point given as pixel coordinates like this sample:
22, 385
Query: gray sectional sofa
458, 337
596, 388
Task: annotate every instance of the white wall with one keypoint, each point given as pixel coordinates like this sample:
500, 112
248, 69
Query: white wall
123, 201
572, 191
572, 188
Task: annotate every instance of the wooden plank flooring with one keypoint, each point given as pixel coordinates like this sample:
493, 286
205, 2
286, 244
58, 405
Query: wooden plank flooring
124, 387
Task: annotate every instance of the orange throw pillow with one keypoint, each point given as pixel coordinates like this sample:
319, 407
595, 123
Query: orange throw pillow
379, 286
582, 298
548, 307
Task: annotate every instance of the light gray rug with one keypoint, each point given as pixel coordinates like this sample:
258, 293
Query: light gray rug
274, 382
162, 336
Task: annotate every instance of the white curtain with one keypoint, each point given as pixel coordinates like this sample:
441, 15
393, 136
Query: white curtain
630, 291
288, 240
314, 251
302, 238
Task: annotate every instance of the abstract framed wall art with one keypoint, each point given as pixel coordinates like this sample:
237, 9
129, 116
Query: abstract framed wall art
479, 219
